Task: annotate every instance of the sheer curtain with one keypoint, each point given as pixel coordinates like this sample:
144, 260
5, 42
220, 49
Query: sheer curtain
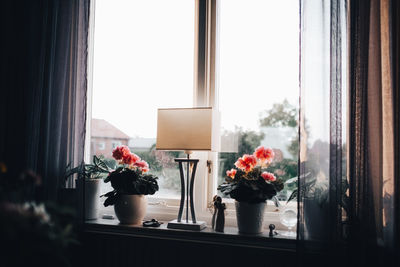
322, 116
43, 97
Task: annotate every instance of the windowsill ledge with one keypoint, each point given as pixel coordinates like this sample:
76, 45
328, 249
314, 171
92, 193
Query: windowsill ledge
230, 237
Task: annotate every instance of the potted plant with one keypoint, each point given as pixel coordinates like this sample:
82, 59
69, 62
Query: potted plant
315, 196
32, 231
251, 185
92, 174
131, 182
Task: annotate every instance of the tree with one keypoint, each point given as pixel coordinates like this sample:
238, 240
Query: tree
280, 115
162, 164
283, 115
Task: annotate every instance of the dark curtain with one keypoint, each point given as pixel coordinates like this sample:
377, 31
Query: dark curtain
43, 88
395, 15
374, 126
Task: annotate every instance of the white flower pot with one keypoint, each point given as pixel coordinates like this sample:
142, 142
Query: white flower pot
130, 209
92, 198
250, 217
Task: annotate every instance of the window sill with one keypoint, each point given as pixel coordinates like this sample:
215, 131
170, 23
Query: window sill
230, 237
169, 212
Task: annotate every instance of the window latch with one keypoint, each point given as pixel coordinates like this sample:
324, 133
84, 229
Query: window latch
209, 164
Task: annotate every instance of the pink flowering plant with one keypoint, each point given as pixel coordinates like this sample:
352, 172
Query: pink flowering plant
250, 181
130, 177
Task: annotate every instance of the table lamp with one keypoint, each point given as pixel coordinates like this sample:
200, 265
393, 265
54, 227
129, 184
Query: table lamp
187, 129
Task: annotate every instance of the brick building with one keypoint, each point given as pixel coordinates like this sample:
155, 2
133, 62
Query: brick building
105, 137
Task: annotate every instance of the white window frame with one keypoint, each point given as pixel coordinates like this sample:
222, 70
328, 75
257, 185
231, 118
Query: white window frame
205, 94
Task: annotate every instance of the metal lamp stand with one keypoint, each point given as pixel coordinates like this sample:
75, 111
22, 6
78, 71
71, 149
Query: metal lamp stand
187, 224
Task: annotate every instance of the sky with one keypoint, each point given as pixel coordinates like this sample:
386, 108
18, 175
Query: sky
143, 60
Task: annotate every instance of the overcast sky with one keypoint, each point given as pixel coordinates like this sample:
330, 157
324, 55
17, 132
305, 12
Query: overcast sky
143, 60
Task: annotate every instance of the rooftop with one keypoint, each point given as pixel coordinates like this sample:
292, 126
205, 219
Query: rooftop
102, 128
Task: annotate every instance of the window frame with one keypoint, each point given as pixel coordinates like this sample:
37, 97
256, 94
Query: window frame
205, 94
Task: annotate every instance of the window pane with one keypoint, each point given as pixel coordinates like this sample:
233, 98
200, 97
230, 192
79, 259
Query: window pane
143, 60
259, 83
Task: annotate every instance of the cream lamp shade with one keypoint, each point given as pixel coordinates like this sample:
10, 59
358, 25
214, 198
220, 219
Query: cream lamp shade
188, 129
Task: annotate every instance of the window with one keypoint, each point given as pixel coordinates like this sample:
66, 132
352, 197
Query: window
259, 88
179, 53
114, 144
143, 60
101, 146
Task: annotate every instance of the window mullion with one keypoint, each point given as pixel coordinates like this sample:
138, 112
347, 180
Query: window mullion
205, 54
205, 89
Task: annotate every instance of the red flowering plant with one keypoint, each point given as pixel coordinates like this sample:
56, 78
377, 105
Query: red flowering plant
251, 182
130, 177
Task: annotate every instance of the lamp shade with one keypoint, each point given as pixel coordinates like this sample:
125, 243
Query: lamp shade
188, 129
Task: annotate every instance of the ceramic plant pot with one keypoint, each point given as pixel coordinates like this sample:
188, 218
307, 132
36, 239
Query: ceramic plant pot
92, 198
130, 209
250, 217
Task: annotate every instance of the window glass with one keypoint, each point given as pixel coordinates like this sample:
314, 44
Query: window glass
259, 83
143, 60
102, 145
116, 144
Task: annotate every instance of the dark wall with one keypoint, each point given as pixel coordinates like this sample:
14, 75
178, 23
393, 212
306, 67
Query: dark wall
105, 249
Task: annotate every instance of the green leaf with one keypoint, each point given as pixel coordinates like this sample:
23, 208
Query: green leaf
292, 196
109, 194
95, 160
100, 164
291, 180
276, 201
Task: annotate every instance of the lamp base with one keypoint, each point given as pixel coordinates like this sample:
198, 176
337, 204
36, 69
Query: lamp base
183, 225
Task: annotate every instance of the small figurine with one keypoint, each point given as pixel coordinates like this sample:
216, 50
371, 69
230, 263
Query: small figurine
271, 230
214, 213
218, 219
